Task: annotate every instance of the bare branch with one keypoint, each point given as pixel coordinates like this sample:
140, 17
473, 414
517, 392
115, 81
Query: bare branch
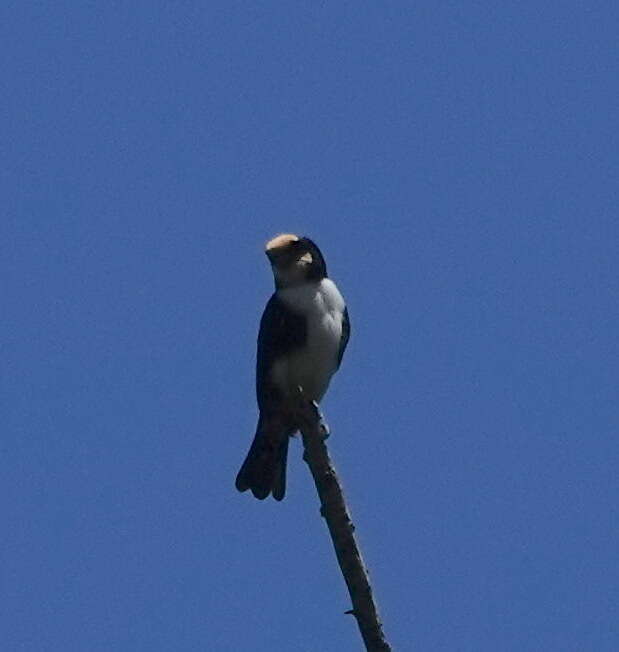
333, 508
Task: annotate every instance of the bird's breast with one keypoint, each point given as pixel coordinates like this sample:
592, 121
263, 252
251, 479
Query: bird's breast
312, 364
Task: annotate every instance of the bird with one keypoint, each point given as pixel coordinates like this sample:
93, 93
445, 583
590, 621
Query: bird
304, 331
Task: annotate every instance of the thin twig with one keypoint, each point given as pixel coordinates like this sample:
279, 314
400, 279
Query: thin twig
333, 508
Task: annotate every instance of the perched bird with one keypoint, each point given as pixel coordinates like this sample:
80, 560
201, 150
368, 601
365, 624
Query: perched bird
303, 334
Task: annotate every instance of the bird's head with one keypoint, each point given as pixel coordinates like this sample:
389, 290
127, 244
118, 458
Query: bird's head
295, 260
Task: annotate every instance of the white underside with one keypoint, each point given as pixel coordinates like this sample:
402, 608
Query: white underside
312, 366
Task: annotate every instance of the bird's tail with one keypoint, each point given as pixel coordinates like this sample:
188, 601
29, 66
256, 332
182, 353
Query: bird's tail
264, 468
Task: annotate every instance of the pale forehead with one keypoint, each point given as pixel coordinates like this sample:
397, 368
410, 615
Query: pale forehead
282, 240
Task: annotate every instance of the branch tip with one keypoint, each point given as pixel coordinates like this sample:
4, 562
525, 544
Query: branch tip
334, 510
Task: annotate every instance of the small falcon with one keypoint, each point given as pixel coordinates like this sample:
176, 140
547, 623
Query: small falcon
304, 331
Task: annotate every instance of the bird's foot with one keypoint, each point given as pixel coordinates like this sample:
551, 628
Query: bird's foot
322, 424
310, 412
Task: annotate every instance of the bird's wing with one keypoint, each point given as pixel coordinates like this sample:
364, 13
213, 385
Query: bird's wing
281, 331
344, 337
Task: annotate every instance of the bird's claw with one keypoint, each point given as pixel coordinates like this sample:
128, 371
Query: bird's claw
316, 413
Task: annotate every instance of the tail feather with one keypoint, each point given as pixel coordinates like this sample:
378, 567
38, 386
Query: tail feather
279, 485
264, 468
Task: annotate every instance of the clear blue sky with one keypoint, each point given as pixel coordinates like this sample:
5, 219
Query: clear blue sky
458, 164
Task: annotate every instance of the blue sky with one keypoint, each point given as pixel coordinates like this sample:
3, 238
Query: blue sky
457, 164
